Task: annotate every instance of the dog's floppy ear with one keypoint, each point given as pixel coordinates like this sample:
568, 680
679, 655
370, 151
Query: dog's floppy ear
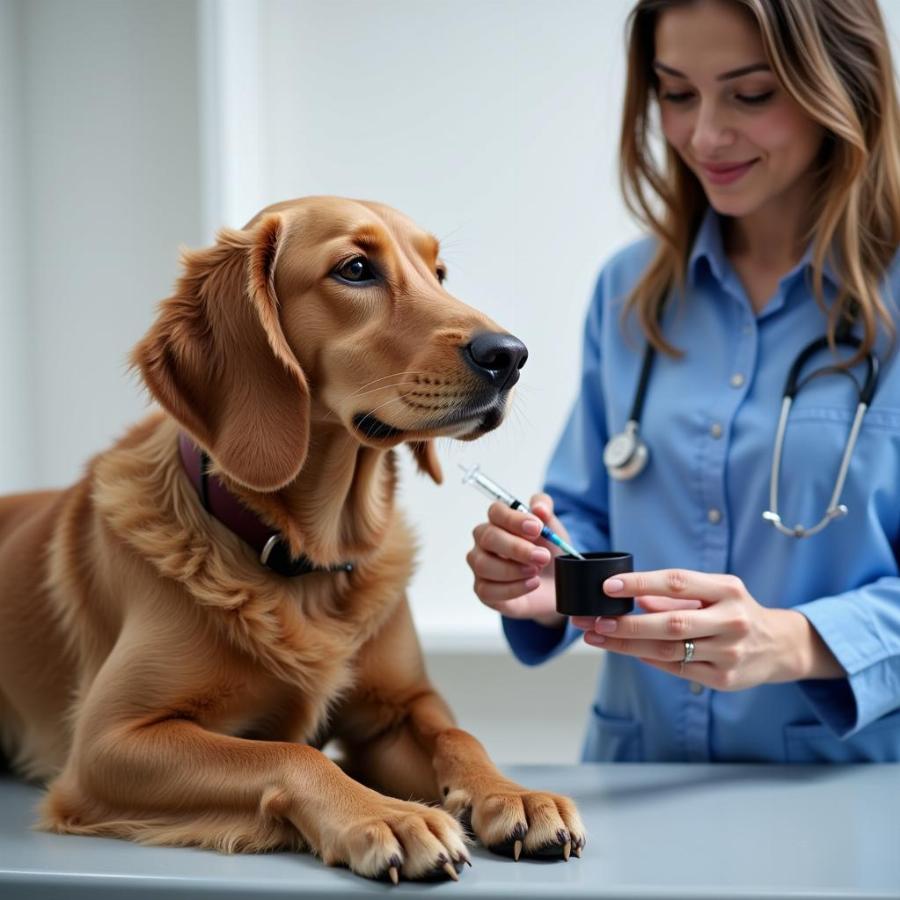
427, 459
217, 360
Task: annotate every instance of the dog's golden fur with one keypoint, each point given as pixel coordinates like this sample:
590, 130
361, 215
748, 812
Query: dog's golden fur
174, 691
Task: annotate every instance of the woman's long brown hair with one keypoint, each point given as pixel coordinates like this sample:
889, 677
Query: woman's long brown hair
833, 57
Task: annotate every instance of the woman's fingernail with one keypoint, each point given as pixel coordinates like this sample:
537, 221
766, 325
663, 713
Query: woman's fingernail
605, 626
540, 557
595, 639
532, 583
527, 571
613, 585
531, 527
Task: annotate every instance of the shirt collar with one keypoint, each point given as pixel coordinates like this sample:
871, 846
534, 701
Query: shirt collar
708, 246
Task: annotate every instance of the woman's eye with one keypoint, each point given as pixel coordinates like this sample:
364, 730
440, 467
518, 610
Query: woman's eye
755, 99
677, 96
356, 270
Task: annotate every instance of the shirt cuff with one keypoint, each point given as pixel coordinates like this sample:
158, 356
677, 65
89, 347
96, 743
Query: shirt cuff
872, 684
533, 644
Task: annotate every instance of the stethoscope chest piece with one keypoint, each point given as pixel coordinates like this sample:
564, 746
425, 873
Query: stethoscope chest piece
625, 454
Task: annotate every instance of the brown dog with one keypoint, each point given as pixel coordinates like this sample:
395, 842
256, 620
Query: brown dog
176, 690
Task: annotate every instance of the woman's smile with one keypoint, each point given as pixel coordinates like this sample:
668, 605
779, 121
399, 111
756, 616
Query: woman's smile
725, 173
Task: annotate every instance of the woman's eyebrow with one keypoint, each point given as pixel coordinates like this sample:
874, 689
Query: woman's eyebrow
725, 76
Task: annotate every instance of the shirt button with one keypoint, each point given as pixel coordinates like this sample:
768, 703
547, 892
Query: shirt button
714, 516
716, 430
737, 380
696, 688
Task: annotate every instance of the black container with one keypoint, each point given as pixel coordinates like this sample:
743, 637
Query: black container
579, 584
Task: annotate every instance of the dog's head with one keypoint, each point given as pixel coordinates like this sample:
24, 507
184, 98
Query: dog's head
330, 310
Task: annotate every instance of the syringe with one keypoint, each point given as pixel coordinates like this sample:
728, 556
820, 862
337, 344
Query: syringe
488, 486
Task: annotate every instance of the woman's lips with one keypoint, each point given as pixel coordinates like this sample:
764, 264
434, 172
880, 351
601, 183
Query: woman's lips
726, 173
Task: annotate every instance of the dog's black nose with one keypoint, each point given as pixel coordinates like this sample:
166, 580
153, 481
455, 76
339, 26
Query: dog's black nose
496, 358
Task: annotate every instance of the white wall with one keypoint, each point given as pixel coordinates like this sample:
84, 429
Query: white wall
109, 167
17, 423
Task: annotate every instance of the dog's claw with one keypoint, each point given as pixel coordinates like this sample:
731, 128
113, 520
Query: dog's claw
576, 849
451, 872
517, 850
394, 875
567, 849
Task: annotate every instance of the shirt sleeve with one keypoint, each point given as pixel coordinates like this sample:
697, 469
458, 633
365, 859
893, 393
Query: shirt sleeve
576, 480
862, 629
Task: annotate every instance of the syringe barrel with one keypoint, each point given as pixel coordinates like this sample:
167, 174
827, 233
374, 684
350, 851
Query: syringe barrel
493, 490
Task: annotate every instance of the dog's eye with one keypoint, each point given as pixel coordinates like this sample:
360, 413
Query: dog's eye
356, 270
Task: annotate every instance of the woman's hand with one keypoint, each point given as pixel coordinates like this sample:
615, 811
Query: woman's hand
737, 642
511, 563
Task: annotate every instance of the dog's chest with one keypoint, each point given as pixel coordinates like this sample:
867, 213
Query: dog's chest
305, 660
270, 708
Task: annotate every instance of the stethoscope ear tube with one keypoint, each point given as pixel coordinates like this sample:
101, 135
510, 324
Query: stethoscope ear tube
866, 392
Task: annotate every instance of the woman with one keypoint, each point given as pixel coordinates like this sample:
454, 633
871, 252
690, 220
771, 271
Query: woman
774, 220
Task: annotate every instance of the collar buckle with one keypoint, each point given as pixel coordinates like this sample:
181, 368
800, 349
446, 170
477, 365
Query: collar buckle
275, 556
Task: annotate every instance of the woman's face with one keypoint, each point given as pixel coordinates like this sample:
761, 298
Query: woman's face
724, 111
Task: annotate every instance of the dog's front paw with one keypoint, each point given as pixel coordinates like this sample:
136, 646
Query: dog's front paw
513, 821
398, 839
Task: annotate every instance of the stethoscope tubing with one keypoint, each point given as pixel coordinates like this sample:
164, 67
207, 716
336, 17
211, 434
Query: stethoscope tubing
636, 455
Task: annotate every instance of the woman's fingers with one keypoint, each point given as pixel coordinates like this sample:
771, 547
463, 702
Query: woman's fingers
675, 583
665, 604
662, 651
649, 604
542, 507
495, 568
705, 649
514, 520
497, 593
674, 625
499, 541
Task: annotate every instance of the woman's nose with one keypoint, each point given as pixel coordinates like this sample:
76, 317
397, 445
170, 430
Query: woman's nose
712, 132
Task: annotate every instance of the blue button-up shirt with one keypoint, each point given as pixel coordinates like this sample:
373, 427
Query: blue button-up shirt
709, 421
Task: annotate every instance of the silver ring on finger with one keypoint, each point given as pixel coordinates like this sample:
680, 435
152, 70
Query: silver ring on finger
688, 654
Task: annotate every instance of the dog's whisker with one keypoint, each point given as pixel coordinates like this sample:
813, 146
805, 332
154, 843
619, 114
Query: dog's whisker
382, 387
382, 378
382, 405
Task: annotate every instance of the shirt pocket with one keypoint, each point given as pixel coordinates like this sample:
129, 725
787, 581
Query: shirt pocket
814, 743
613, 739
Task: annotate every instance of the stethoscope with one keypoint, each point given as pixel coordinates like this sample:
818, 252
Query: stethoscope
626, 455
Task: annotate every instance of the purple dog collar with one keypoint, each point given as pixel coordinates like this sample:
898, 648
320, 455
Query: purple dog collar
220, 503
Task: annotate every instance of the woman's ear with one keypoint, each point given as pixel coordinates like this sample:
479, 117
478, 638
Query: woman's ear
427, 459
217, 360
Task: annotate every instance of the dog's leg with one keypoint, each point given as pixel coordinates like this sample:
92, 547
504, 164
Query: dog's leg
428, 758
401, 736
504, 816
174, 782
